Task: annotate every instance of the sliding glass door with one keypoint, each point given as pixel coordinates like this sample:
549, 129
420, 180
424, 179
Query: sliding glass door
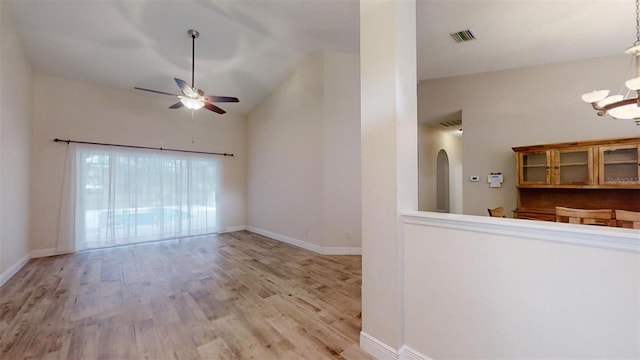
131, 196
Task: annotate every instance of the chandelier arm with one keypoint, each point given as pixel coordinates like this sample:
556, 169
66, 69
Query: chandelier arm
637, 42
618, 104
600, 111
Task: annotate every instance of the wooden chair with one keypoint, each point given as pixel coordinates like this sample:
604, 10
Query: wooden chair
497, 212
602, 217
628, 219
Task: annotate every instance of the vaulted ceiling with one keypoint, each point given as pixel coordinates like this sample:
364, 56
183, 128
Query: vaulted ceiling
247, 47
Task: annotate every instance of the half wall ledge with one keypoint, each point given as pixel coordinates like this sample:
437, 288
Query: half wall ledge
611, 238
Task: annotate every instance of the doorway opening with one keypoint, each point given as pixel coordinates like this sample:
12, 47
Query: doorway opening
442, 182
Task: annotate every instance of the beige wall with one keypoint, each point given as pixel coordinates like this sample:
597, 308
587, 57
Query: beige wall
80, 111
304, 154
341, 148
431, 141
16, 94
498, 294
526, 106
284, 189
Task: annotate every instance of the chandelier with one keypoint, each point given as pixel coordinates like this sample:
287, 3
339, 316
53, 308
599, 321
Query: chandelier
618, 106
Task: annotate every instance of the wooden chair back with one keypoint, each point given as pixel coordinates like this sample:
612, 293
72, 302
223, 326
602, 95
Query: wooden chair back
628, 219
497, 212
602, 217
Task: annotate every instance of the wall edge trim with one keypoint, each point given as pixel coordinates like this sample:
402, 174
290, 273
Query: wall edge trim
44, 253
13, 269
233, 229
330, 250
286, 239
337, 250
408, 353
377, 348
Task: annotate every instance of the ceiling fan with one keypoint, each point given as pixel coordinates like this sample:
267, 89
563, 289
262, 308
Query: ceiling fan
193, 98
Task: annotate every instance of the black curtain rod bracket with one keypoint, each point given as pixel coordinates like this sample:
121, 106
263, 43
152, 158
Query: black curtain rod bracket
140, 147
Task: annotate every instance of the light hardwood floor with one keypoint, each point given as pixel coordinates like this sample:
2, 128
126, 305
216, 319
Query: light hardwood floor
228, 296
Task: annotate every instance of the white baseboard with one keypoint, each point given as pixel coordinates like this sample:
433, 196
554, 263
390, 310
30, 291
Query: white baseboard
44, 253
307, 245
287, 239
382, 351
335, 250
13, 269
233, 228
377, 348
407, 353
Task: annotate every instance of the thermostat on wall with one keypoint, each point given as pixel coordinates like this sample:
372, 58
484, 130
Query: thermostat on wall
474, 178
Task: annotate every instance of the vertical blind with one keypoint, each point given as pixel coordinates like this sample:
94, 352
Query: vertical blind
128, 196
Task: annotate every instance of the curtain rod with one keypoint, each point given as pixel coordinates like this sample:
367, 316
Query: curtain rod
141, 147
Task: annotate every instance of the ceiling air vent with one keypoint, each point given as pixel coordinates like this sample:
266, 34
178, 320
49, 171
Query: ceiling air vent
451, 123
462, 36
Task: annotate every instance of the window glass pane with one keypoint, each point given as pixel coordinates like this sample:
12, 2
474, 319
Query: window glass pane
130, 197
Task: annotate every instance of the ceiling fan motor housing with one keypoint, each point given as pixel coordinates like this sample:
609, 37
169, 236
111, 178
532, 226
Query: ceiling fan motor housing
193, 33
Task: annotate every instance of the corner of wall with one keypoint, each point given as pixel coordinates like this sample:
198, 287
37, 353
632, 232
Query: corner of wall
16, 107
13, 269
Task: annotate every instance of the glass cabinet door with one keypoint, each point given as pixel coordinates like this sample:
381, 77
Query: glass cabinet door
619, 164
574, 167
534, 168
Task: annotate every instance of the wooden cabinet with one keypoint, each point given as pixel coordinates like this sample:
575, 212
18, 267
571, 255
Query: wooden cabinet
588, 174
534, 168
573, 166
619, 165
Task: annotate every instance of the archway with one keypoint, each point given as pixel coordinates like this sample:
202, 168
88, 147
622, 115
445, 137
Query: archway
442, 182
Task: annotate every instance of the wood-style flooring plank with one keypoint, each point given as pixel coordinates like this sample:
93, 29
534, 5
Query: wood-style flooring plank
229, 296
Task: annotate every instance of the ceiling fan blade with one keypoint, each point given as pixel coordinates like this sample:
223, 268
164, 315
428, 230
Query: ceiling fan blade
186, 89
200, 92
155, 91
211, 98
176, 105
213, 108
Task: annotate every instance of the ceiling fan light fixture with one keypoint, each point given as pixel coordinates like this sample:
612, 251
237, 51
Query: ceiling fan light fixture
192, 104
616, 105
193, 98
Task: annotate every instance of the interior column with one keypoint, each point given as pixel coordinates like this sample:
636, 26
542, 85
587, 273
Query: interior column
388, 85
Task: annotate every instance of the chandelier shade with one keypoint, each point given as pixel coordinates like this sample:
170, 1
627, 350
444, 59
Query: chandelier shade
619, 106
595, 96
628, 111
633, 84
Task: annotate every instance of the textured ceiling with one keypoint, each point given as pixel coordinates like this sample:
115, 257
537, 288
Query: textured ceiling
246, 48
